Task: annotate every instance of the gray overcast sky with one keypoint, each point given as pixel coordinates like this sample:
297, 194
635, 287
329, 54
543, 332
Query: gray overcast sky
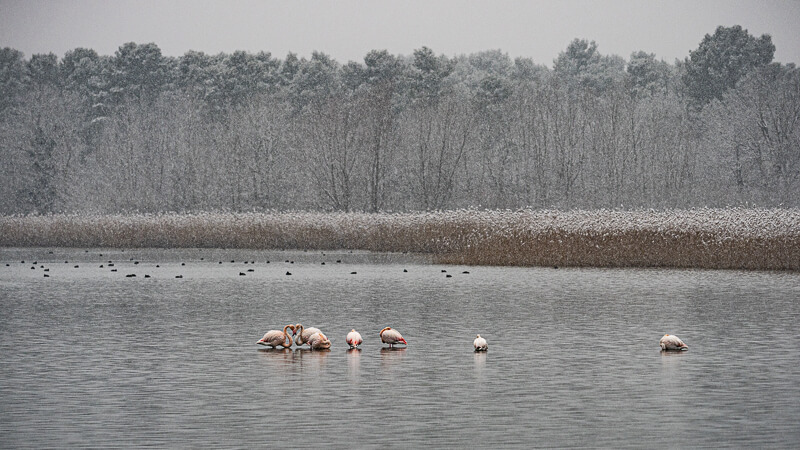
348, 29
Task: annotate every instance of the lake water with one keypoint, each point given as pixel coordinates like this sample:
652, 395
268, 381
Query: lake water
93, 358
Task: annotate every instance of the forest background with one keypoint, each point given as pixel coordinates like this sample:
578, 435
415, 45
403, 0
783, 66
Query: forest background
138, 132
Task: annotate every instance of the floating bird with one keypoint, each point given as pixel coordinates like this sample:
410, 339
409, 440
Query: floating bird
319, 341
480, 344
669, 342
391, 337
304, 334
354, 338
275, 338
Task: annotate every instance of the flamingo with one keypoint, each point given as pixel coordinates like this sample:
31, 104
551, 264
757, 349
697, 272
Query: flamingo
304, 333
354, 338
319, 341
275, 338
391, 337
480, 344
669, 342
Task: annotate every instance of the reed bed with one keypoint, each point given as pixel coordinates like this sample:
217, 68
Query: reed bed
731, 238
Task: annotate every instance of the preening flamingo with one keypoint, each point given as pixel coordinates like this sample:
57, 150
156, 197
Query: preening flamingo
303, 334
354, 338
669, 342
275, 338
391, 337
319, 341
480, 344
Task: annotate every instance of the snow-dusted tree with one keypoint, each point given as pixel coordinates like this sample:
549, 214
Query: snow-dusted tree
13, 78
581, 66
755, 134
427, 76
722, 59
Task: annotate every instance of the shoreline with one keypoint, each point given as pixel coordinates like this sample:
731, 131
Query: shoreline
730, 238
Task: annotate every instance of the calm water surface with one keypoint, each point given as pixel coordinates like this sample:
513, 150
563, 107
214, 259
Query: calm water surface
90, 357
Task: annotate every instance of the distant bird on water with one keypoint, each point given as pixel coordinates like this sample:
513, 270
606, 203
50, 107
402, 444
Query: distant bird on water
274, 338
354, 338
391, 337
480, 344
669, 342
319, 341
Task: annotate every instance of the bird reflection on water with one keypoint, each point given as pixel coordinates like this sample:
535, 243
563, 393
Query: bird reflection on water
391, 355
354, 362
480, 361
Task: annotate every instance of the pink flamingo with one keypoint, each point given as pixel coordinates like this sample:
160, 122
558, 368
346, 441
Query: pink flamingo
669, 342
275, 338
391, 337
319, 341
480, 344
354, 338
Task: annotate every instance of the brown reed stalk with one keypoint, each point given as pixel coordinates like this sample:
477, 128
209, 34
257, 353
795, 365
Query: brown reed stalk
733, 238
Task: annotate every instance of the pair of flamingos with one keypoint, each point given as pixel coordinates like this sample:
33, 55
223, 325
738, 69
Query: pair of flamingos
314, 337
318, 341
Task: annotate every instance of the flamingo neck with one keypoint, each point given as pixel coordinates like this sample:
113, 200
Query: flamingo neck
286, 336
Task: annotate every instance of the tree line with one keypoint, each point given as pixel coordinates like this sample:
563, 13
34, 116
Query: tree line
142, 132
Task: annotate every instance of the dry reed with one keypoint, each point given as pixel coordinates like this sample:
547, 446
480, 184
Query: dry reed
732, 238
